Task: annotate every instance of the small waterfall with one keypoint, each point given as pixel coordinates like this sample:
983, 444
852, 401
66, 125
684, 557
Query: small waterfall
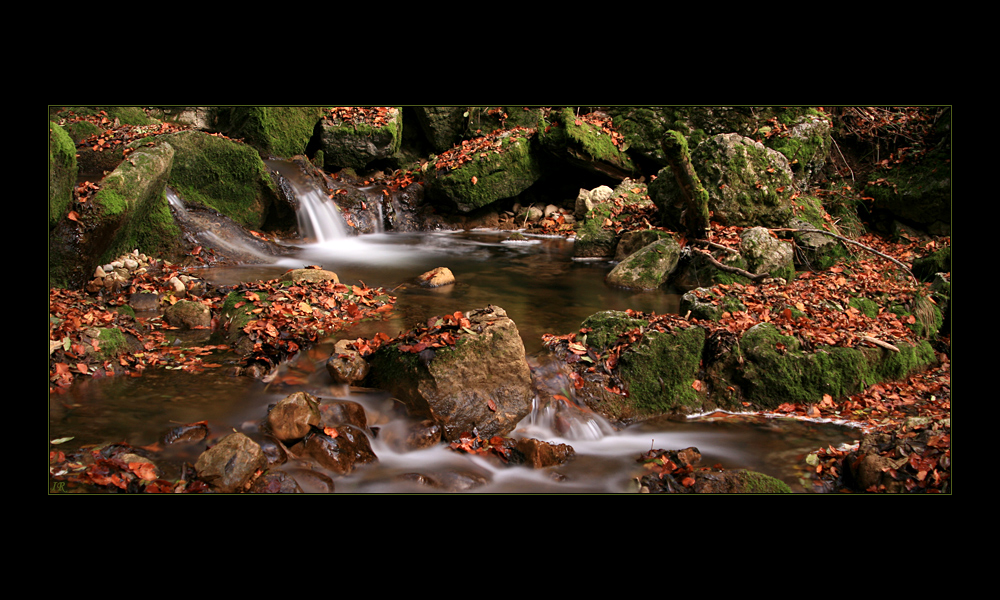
319, 217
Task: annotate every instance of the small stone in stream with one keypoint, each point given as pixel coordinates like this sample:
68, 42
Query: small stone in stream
297, 275
437, 277
343, 412
294, 416
340, 451
346, 365
275, 482
194, 432
188, 315
541, 454
230, 464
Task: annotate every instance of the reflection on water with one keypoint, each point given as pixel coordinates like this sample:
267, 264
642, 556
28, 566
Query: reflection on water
542, 289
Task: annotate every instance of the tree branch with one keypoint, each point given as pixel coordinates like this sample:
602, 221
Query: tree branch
850, 241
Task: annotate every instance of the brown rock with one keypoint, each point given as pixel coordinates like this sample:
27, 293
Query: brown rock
437, 277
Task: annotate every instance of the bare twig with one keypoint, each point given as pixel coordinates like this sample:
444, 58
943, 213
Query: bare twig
716, 246
735, 270
885, 345
850, 241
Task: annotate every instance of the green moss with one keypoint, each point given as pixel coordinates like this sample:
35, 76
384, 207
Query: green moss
605, 328
282, 131
111, 342
659, 371
594, 143
752, 482
62, 173
778, 371
224, 175
868, 308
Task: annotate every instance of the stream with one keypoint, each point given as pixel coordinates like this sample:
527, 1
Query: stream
543, 290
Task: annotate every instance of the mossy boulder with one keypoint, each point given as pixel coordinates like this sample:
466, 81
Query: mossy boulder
747, 183
818, 251
585, 145
281, 131
604, 328
62, 173
357, 144
633, 241
648, 268
129, 212
658, 375
224, 175
505, 171
778, 370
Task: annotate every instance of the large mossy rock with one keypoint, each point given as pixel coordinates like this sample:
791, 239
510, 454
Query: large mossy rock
508, 168
226, 176
481, 384
747, 183
129, 212
585, 145
281, 131
62, 173
648, 268
656, 370
777, 370
355, 145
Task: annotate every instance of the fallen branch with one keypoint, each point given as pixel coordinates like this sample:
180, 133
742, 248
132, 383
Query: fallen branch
716, 246
735, 270
850, 241
885, 345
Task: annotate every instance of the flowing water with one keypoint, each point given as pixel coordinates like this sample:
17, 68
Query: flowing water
542, 289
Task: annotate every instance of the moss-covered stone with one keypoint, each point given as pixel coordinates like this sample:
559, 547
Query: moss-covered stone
747, 184
752, 482
354, 144
281, 131
500, 174
647, 268
606, 326
62, 173
659, 372
939, 262
868, 308
583, 142
776, 370
224, 175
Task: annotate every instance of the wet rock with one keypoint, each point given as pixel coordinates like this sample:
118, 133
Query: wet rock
144, 301
346, 365
632, 241
340, 451
231, 464
437, 277
481, 383
294, 416
541, 454
275, 482
310, 480
194, 432
343, 412
412, 436
297, 275
187, 314
447, 481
